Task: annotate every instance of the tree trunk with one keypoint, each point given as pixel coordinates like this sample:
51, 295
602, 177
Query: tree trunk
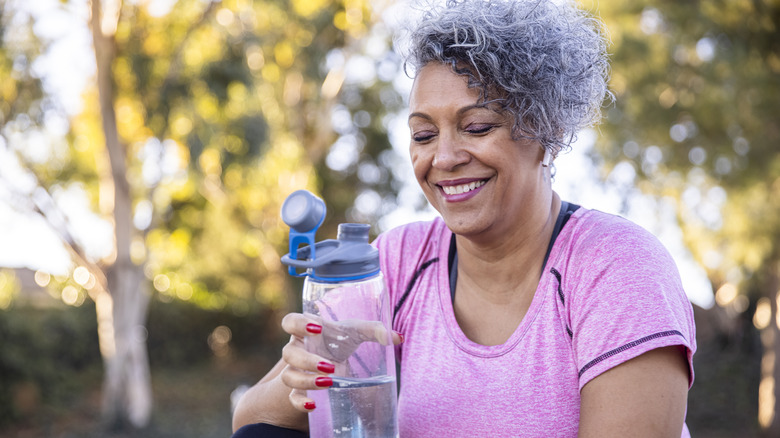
769, 388
127, 394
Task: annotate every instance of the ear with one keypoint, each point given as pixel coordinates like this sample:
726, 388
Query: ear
547, 158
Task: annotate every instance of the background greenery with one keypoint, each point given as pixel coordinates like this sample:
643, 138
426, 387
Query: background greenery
222, 108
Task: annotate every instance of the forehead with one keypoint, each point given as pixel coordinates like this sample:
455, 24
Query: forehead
437, 85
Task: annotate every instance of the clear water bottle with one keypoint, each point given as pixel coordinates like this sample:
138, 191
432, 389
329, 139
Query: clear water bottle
344, 291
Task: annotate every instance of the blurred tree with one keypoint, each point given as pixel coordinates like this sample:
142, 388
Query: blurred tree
696, 122
20, 90
121, 301
203, 118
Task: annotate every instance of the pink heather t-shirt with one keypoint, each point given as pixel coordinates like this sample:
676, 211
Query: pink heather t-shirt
608, 293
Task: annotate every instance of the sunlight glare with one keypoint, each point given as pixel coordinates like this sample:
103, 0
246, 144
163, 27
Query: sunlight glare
225, 17
110, 18
42, 278
184, 291
777, 306
763, 315
159, 8
161, 282
766, 401
81, 275
8, 289
219, 341
70, 295
651, 21
726, 294
254, 57
705, 49
104, 305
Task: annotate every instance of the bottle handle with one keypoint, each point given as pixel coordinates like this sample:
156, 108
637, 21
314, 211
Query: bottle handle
291, 259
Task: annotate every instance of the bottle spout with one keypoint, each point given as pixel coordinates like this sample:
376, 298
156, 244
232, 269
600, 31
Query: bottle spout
353, 232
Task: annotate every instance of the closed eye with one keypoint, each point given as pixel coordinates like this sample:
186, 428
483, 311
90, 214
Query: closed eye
422, 137
479, 129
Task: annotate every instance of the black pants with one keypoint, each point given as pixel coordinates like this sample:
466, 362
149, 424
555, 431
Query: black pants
262, 430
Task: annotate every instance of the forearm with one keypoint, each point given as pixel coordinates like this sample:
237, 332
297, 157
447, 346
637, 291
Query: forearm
268, 402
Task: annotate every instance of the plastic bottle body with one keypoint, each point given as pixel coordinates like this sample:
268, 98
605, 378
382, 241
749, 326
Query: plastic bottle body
357, 337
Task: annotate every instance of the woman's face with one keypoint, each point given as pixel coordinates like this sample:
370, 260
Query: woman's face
469, 167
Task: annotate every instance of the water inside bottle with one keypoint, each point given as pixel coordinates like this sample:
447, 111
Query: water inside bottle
354, 408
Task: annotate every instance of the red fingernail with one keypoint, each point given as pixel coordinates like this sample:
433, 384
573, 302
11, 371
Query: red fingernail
326, 367
309, 405
323, 382
313, 328
400, 335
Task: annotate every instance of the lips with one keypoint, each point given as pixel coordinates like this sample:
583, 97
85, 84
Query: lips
461, 189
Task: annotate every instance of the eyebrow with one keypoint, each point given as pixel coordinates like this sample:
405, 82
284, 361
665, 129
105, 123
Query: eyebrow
459, 112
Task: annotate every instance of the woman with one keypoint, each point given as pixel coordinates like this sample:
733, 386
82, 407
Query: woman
522, 315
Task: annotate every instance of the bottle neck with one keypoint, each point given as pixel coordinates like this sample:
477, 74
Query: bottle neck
312, 274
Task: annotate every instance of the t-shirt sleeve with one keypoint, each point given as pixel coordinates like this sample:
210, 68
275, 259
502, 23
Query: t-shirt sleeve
627, 299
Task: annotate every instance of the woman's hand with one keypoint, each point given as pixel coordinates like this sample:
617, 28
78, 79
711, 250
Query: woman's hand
331, 344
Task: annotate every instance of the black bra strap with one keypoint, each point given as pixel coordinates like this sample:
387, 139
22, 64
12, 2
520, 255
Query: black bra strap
452, 265
567, 209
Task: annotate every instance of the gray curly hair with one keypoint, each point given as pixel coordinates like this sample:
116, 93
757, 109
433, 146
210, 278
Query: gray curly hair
545, 62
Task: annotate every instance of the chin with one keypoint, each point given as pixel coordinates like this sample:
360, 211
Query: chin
463, 228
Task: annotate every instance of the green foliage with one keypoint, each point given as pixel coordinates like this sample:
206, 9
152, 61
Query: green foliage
698, 93
20, 89
9, 288
50, 353
179, 334
222, 113
724, 398
44, 350
364, 110
240, 98
689, 75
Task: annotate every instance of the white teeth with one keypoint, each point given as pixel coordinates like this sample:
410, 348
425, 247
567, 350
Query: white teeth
463, 188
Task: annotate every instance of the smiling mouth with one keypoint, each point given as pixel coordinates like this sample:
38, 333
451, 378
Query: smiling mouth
462, 188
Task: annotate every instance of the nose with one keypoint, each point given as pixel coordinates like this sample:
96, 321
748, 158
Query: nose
450, 153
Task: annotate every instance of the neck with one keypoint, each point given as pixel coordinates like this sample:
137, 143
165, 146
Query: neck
502, 269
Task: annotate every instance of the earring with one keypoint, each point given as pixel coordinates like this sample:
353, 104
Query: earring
547, 158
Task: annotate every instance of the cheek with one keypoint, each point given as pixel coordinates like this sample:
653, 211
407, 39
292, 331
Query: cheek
420, 162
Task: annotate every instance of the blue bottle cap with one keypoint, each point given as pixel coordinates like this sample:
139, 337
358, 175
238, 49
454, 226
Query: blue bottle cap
303, 212
349, 257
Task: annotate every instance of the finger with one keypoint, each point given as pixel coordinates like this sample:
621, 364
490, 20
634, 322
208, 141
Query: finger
301, 401
382, 335
300, 325
395, 337
296, 356
366, 331
297, 379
